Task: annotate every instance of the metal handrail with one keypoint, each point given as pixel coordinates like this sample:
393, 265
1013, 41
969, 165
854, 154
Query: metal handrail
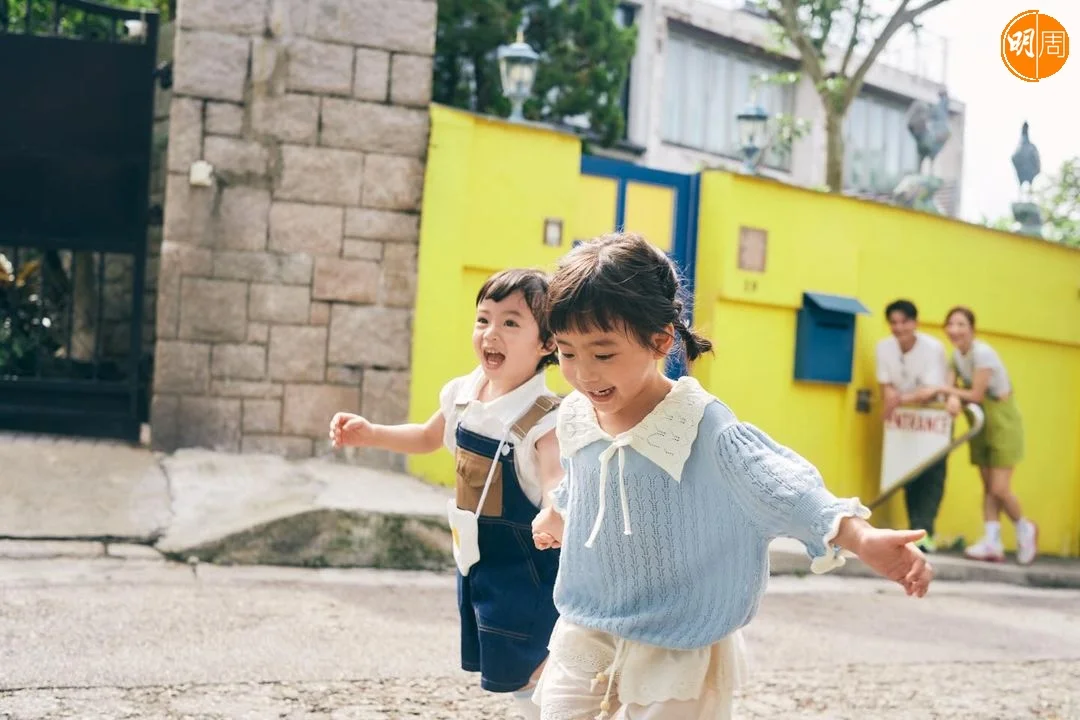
978, 420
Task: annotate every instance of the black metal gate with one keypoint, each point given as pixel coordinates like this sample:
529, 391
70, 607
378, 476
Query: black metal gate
76, 116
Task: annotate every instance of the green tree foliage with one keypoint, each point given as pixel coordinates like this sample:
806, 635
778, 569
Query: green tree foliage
1058, 199
467, 36
1060, 203
71, 22
585, 59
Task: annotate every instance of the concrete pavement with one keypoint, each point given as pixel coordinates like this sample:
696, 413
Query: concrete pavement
266, 510
104, 637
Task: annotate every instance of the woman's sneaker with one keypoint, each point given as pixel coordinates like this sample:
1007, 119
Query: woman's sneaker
986, 551
1027, 542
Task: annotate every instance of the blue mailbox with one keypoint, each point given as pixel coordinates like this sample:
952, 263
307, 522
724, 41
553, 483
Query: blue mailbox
825, 337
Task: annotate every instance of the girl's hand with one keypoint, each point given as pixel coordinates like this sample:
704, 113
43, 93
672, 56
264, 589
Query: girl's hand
347, 429
547, 529
953, 405
544, 541
892, 554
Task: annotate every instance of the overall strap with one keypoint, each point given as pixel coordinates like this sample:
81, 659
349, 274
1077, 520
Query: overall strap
540, 408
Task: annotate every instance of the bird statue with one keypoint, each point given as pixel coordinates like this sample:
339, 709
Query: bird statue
929, 125
1026, 160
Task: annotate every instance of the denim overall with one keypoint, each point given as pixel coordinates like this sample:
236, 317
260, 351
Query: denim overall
506, 605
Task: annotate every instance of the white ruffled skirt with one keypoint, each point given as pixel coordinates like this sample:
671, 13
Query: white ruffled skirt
591, 674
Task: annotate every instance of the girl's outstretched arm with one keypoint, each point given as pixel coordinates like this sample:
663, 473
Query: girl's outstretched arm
347, 429
889, 553
784, 494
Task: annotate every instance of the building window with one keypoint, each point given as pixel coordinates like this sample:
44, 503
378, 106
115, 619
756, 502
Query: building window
878, 149
625, 15
706, 86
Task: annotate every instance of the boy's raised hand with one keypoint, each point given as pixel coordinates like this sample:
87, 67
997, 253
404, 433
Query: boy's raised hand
347, 429
892, 554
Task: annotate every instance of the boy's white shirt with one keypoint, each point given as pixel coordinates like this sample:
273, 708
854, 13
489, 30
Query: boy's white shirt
491, 419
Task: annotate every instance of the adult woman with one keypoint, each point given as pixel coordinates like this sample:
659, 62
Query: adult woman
977, 375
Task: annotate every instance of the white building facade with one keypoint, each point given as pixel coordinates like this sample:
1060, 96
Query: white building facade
695, 70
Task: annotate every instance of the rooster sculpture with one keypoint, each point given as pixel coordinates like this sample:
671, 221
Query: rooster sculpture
929, 125
1026, 160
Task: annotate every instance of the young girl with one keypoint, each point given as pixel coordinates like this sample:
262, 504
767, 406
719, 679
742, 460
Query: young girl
668, 505
499, 422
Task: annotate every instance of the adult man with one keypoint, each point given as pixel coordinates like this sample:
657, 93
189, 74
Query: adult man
911, 368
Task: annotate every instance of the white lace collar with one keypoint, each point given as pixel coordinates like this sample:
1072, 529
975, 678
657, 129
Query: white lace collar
664, 436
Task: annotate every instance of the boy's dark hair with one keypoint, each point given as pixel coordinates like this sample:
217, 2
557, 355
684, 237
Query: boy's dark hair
963, 310
533, 285
905, 306
617, 280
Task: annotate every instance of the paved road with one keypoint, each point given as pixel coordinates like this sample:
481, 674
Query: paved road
105, 638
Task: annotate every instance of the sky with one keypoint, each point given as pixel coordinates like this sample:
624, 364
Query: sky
998, 103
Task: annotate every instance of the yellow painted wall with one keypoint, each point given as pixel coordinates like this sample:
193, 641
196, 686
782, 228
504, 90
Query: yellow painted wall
1025, 293
490, 185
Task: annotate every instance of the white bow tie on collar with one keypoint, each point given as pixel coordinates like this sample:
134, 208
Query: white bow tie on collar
664, 437
618, 446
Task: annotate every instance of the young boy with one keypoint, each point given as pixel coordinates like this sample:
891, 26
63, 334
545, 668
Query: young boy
499, 422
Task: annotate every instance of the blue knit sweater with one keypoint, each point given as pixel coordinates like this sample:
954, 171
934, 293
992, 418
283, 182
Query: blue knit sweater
678, 556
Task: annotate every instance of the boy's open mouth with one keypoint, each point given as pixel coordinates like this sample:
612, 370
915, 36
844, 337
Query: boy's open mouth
493, 359
601, 394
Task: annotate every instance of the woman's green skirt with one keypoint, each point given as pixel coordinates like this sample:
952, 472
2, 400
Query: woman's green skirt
1001, 442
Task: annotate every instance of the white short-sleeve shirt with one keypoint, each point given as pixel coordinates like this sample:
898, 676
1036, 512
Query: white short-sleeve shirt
980, 357
491, 419
924, 364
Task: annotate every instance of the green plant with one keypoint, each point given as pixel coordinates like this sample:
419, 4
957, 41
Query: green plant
1058, 199
28, 331
585, 59
72, 22
585, 63
787, 129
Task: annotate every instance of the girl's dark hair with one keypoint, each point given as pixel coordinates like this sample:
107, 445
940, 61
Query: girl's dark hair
621, 281
532, 284
963, 310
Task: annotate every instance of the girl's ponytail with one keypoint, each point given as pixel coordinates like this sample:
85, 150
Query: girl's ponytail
695, 343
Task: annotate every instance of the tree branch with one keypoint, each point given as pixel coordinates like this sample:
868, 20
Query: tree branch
902, 17
788, 18
898, 20
928, 5
854, 37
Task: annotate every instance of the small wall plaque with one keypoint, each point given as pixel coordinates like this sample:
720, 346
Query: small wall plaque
753, 247
552, 232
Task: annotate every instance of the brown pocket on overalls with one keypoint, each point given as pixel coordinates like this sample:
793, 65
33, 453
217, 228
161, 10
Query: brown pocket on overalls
472, 472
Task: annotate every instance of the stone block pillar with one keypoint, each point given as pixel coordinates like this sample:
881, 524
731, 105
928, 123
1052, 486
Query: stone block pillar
286, 288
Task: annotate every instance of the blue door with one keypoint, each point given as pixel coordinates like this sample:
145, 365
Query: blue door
660, 205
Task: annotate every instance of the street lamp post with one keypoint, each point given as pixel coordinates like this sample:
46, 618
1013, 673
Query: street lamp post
517, 70
753, 124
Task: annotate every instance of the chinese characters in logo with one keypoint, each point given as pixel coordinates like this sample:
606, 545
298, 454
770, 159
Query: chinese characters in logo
1034, 46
